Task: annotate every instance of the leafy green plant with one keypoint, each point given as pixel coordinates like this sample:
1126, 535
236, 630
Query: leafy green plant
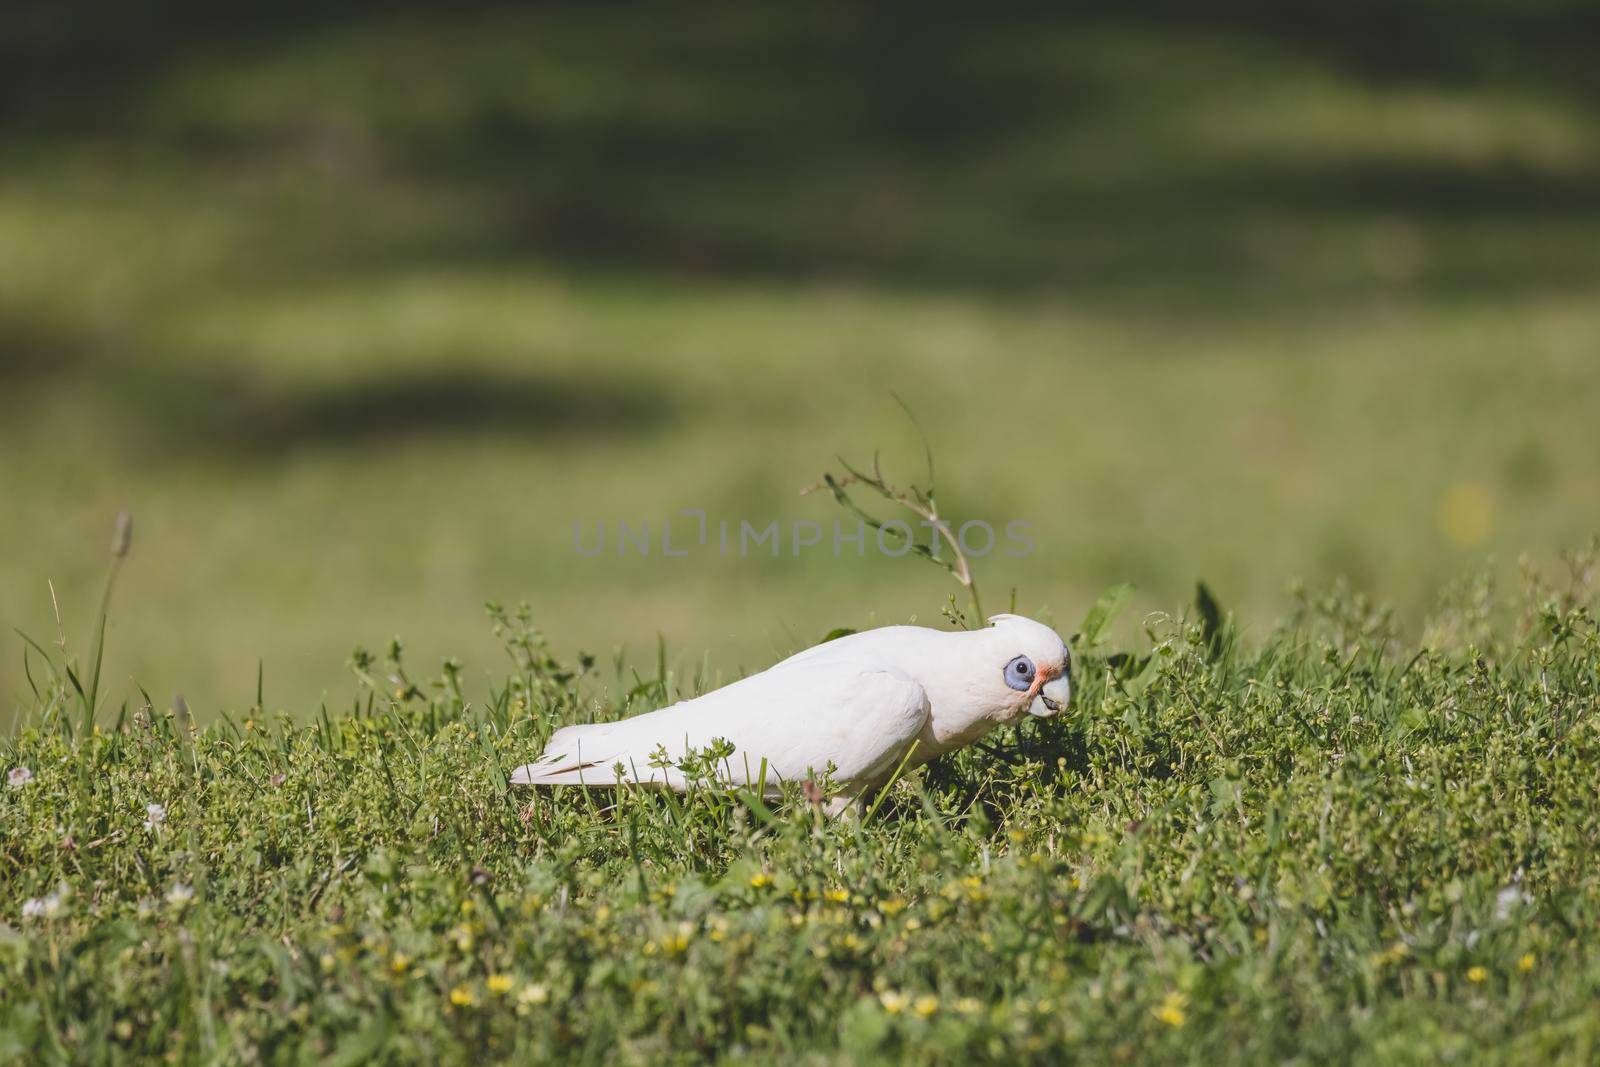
1325, 845
61, 670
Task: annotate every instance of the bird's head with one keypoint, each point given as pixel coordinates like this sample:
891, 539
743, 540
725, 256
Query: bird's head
1031, 666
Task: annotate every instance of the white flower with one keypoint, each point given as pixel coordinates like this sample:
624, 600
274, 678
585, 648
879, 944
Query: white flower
1508, 900
18, 777
180, 893
47, 907
154, 815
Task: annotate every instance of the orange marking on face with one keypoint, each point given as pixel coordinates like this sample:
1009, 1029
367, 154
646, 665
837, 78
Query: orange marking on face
1041, 675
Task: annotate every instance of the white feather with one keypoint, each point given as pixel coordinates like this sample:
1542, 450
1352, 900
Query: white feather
857, 706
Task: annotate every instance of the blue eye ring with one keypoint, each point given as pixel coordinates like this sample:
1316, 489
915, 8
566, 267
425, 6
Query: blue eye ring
1019, 674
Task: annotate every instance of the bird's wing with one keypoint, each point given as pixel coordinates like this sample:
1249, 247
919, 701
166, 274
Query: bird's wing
789, 722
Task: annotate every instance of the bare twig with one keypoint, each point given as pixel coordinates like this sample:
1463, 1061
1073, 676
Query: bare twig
921, 503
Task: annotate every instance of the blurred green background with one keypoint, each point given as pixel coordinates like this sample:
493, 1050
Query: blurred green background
358, 308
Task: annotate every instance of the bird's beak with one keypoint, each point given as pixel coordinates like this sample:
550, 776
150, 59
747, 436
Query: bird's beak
1053, 697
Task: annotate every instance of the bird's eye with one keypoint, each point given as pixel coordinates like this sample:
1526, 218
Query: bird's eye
1019, 674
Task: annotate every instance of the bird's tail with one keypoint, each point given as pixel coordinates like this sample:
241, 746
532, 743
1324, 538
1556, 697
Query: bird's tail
593, 754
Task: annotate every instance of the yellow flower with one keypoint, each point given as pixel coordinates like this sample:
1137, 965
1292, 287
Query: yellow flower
925, 1005
760, 880
1477, 974
836, 896
499, 984
1393, 954
400, 963
1171, 1010
893, 1001
461, 997
537, 993
969, 1005
1525, 964
677, 943
892, 906
1466, 514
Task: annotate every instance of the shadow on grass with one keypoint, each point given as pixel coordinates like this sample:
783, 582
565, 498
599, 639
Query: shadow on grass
1041, 150
182, 409
223, 413
441, 402
1063, 153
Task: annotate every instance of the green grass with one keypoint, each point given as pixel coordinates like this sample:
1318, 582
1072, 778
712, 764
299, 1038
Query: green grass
1237, 301
358, 312
1326, 844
